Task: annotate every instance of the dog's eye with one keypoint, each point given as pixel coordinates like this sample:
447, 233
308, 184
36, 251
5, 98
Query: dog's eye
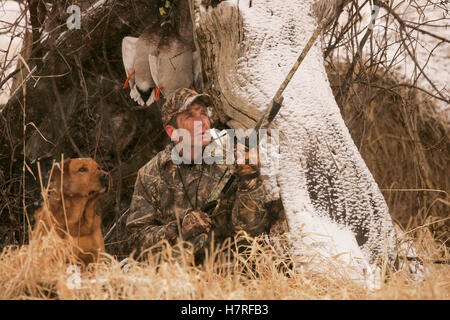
83, 169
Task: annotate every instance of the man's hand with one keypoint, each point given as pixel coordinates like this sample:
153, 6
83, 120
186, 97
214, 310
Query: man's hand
171, 232
195, 223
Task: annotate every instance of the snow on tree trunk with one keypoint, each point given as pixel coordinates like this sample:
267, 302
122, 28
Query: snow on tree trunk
332, 203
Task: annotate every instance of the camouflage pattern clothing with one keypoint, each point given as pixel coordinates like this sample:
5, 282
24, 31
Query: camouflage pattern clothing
165, 192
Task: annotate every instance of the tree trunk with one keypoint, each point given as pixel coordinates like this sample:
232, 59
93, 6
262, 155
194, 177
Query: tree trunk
332, 203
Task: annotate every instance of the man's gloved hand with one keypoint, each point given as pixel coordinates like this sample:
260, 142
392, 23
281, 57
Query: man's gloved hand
195, 223
171, 232
248, 172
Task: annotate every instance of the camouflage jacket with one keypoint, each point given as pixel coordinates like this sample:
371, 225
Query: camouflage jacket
160, 196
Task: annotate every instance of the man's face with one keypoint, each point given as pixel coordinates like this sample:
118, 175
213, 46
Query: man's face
196, 121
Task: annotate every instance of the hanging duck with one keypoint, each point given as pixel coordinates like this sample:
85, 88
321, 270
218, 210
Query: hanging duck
174, 65
135, 56
159, 61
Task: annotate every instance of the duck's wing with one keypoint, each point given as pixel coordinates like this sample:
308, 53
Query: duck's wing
128, 53
143, 77
153, 62
128, 58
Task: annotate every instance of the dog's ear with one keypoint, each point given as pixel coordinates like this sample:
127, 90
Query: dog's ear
55, 178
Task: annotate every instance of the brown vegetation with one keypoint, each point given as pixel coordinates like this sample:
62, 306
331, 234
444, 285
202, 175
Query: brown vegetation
38, 271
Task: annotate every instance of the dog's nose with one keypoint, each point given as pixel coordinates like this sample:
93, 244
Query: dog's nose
104, 179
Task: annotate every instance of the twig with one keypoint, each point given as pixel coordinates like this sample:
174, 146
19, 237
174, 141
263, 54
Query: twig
24, 81
63, 118
344, 30
342, 95
12, 74
404, 24
407, 85
115, 224
419, 67
27, 220
97, 140
61, 111
61, 167
416, 190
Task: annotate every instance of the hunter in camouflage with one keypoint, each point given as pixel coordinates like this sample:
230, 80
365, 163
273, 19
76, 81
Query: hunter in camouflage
168, 198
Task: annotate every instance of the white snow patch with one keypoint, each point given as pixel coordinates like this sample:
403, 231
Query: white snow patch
323, 246
10, 43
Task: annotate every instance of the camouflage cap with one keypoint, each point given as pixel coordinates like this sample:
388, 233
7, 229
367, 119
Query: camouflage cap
180, 100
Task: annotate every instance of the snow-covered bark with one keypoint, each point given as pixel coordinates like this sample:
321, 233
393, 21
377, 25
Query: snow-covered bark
333, 205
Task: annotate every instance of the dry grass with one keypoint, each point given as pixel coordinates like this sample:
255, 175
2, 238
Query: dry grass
39, 271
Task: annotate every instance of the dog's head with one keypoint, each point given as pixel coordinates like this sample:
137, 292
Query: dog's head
81, 177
